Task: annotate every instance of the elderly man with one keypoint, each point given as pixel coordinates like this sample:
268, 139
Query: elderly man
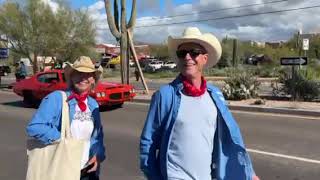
189, 132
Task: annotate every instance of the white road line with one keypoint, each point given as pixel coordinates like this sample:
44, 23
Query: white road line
276, 115
284, 156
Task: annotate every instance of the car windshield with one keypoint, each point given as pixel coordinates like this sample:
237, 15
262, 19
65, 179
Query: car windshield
48, 77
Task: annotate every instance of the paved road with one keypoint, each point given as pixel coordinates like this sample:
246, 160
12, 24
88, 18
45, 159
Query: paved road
294, 142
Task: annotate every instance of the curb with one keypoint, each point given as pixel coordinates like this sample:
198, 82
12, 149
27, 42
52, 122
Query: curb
6, 89
298, 112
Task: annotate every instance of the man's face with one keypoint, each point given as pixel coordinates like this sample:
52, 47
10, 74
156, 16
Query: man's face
82, 82
192, 59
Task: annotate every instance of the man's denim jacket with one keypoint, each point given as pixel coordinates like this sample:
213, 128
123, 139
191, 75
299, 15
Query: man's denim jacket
230, 160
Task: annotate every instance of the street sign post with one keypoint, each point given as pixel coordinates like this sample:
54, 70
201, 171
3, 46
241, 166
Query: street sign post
293, 61
4, 53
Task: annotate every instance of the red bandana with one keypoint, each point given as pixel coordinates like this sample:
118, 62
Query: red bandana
190, 90
80, 99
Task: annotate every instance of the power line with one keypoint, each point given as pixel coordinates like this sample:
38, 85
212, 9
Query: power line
230, 17
223, 9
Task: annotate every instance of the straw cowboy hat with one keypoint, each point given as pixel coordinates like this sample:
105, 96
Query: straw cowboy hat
206, 40
82, 64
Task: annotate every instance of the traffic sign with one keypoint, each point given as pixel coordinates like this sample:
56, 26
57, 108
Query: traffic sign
305, 44
294, 61
4, 53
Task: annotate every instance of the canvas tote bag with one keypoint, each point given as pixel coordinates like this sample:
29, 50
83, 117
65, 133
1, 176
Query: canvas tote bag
60, 160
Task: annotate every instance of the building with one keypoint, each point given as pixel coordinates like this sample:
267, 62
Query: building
110, 50
275, 44
309, 36
257, 44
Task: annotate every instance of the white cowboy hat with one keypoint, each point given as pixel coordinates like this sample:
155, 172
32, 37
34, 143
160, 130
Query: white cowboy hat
82, 64
206, 40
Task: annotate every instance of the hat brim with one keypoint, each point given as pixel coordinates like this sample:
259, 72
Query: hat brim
68, 70
214, 52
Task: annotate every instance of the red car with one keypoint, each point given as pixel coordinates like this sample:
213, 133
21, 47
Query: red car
38, 86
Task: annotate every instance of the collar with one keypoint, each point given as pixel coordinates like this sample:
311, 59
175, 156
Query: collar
178, 85
72, 102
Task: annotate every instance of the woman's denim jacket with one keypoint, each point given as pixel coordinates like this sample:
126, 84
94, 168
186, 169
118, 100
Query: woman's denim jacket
230, 160
45, 124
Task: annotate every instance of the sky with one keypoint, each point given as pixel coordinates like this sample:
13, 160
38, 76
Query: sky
157, 19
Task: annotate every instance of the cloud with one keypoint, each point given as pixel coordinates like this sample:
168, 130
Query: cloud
99, 5
54, 6
267, 27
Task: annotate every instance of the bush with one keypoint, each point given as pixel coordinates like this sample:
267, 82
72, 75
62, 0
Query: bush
108, 72
267, 71
161, 74
304, 84
215, 72
240, 85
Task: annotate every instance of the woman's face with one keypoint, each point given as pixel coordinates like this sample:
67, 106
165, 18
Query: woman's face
82, 82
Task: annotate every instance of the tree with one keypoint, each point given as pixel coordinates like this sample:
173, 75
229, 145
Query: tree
159, 50
35, 30
74, 35
225, 60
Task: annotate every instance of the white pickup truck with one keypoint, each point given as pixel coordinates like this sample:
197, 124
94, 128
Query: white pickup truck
169, 65
154, 66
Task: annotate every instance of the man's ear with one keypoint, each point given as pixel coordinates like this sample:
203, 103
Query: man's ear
205, 57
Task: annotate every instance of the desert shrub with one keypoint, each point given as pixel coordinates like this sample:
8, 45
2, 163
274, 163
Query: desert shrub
302, 85
241, 84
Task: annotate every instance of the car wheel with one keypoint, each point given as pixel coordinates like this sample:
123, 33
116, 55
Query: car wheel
28, 99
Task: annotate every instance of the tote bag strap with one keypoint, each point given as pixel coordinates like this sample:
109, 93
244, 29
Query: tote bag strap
65, 122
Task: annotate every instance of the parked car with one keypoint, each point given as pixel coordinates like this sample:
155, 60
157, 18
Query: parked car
41, 84
145, 61
154, 65
169, 65
131, 63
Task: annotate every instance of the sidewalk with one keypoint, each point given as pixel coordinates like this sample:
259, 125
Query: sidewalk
270, 106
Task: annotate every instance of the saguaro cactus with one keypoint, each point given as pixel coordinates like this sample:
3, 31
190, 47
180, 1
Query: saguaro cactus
120, 32
234, 53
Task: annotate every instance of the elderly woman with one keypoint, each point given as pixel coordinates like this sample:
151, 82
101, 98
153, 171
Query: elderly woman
84, 115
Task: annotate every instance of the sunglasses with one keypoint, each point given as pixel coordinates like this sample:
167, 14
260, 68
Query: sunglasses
192, 52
